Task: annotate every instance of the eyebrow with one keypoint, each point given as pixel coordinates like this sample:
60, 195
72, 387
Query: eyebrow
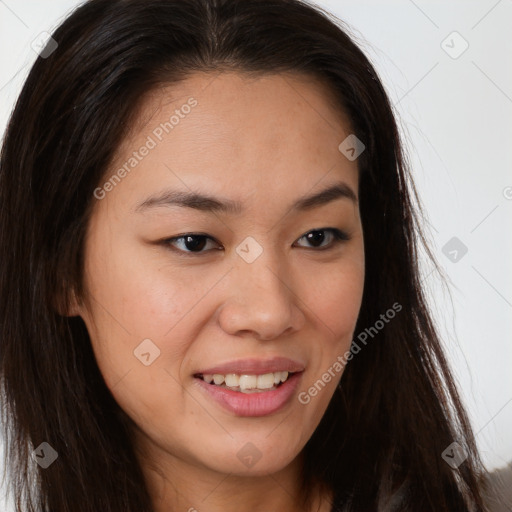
211, 204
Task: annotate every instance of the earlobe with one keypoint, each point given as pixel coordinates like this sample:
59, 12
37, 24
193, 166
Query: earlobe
67, 304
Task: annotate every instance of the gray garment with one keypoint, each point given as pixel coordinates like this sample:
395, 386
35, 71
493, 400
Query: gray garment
499, 492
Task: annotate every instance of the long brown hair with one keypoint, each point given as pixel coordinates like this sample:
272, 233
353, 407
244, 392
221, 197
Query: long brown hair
379, 446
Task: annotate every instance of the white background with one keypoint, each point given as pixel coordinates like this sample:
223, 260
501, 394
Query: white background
456, 117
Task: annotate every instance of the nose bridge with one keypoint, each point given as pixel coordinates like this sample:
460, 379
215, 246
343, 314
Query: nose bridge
262, 273
260, 296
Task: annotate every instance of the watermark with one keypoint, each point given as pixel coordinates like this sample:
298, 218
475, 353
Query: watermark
44, 455
507, 193
249, 250
44, 45
146, 352
249, 455
454, 45
342, 360
152, 141
454, 249
454, 455
351, 147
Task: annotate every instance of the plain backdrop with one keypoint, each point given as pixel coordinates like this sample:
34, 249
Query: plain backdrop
447, 68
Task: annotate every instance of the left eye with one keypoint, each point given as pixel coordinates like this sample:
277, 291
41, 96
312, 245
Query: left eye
317, 237
194, 243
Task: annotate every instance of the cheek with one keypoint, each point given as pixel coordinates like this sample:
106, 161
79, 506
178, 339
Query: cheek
139, 296
138, 299
335, 296
171, 307
135, 306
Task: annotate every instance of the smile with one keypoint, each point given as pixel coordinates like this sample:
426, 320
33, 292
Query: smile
247, 383
251, 387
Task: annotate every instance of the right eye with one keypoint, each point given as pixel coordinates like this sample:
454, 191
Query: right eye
191, 243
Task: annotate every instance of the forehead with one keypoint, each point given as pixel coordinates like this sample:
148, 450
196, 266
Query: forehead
273, 90
233, 132
227, 101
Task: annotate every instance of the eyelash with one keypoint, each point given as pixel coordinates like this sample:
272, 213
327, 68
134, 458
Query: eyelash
338, 238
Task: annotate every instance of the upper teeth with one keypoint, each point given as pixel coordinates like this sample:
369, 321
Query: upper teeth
244, 382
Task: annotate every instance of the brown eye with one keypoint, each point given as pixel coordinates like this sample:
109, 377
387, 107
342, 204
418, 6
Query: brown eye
317, 237
196, 244
189, 243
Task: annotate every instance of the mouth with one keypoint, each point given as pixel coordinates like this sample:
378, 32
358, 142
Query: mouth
244, 383
251, 387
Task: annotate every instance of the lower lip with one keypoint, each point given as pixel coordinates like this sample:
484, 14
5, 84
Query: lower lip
253, 404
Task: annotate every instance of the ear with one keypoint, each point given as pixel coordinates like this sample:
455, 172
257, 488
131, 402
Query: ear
66, 303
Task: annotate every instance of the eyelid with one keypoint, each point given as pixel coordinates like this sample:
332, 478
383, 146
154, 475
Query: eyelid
339, 236
167, 243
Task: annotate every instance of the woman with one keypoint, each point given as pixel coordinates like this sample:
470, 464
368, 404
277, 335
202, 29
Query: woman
210, 288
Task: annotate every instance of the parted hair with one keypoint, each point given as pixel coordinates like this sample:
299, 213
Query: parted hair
379, 445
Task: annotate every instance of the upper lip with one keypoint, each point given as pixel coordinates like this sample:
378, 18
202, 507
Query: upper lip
254, 366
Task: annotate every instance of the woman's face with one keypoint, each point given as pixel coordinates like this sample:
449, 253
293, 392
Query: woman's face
266, 287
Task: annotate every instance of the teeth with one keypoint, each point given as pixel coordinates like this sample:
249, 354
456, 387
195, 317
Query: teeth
232, 380
244, 383
265, 381
248, 382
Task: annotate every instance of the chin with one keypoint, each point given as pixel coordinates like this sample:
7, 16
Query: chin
252, 458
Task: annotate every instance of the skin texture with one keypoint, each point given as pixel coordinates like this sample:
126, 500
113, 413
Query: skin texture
265, 142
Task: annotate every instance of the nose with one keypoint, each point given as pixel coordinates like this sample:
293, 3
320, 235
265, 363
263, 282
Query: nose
261, 302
